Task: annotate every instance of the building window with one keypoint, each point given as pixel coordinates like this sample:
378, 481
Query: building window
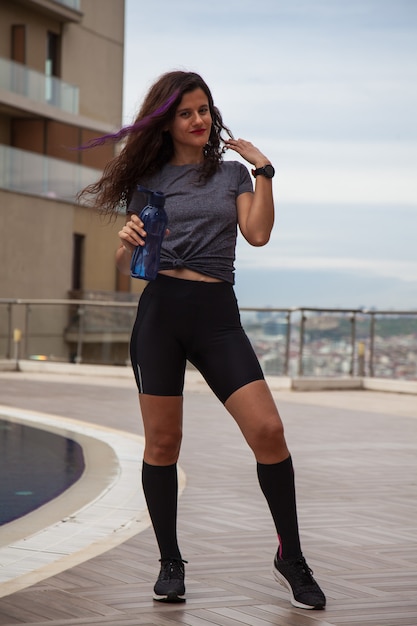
52, 67
18, 41
77, 262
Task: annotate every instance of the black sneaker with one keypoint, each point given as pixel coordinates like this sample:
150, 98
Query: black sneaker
170, 584
297, 577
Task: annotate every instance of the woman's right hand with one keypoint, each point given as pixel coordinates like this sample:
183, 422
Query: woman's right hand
132, 234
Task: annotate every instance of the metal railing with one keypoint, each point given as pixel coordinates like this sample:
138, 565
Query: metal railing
292, 342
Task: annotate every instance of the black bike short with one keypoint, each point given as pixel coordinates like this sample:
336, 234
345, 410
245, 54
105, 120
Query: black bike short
180, 320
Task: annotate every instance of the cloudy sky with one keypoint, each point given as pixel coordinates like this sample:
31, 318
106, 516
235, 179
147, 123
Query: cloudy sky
328, 90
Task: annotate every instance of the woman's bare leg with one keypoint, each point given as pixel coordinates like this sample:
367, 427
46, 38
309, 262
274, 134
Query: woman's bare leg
254, 410
256, 414
162, 419
162, 422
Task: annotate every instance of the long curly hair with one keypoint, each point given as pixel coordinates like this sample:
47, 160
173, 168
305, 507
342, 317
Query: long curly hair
148, 146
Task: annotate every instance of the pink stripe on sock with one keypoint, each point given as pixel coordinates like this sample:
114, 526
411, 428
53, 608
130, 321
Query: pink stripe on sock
279, 547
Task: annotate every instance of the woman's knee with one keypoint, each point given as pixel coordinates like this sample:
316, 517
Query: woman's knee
162, 420
271, 432
268, 442
162, 448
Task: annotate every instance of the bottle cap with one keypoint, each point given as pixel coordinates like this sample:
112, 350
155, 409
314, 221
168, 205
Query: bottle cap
158, 199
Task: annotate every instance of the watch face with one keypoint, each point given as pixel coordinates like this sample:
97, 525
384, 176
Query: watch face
269, 171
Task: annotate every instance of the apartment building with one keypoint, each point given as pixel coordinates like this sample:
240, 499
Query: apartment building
61, 80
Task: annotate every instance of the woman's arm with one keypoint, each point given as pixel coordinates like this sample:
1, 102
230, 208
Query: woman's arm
255, 211
123, 258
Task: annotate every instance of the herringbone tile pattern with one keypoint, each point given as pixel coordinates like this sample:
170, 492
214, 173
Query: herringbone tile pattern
356, 476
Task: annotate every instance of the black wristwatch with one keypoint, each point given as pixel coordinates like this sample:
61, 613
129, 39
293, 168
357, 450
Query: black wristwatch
267, 171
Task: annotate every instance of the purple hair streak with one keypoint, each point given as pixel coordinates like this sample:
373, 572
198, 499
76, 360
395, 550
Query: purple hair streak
127, 130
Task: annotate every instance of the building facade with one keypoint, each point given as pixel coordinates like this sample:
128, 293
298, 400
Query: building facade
61, 82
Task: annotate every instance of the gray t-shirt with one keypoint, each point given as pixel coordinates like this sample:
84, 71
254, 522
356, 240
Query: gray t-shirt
202, 217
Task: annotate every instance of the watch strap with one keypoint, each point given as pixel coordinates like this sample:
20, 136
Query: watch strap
267, 171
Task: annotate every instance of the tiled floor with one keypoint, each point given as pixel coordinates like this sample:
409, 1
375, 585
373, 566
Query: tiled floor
355, 455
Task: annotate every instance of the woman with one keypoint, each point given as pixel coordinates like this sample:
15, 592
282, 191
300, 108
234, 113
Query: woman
190, 310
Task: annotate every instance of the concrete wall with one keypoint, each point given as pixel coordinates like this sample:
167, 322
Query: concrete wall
36, 258
101, 243
38, 25
100, 39
36, 246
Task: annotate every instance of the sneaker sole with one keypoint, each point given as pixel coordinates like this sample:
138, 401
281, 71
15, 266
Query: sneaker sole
299, 605
173, 597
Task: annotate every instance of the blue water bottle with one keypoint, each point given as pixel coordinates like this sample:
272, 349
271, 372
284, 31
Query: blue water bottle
145, 259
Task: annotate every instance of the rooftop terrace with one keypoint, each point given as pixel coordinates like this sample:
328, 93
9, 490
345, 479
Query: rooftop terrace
355, 456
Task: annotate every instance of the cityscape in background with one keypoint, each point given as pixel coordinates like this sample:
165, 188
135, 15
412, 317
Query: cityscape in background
329, 346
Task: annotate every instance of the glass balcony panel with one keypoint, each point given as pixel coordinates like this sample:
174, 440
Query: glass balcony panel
72, 4
21, 80
27, 172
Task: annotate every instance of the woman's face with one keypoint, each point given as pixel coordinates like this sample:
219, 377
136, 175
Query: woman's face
191, 125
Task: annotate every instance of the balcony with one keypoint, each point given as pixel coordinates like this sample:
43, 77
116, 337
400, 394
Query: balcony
39, 175
72, 4
63, 10
22, 81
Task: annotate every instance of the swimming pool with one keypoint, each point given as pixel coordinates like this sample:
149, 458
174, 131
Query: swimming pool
35, 466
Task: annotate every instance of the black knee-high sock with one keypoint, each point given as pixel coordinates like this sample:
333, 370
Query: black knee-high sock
160, 486
277, 484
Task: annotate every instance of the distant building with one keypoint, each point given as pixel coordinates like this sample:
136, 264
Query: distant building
61, 82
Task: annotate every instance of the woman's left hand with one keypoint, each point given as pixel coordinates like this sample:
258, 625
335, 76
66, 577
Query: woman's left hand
248, 151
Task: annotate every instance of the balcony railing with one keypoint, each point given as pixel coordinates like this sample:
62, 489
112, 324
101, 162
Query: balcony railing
28, 172
21, 80
72, 4
289, 342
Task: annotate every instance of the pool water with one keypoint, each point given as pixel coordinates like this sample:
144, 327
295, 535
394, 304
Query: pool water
35, 467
